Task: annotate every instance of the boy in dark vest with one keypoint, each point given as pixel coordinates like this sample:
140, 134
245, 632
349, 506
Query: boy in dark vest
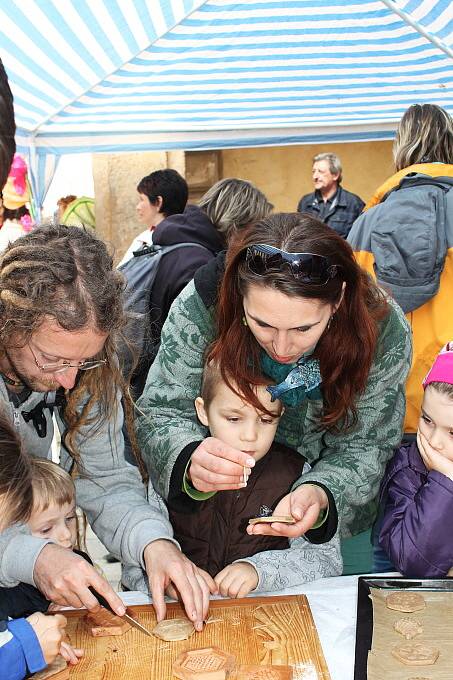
214, 536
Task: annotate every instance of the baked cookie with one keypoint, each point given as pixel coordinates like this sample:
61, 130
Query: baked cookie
172, 630
405, 601
416, 654
408, 628
283, 519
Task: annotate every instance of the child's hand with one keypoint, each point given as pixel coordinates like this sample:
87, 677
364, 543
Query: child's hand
70, 653
304, 504
50, 631
432, 458
237, 580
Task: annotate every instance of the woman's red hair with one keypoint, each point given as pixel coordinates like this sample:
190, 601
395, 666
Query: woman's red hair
345, 350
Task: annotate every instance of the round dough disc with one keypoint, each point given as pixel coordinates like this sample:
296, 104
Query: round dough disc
405, 602
172, 630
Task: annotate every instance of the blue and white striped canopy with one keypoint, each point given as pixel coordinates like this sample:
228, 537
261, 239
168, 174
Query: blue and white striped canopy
113, 75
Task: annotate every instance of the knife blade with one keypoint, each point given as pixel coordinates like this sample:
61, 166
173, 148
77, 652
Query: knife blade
104, 603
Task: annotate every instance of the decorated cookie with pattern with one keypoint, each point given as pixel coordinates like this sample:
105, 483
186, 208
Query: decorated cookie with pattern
408, 628
405, 602
416, 654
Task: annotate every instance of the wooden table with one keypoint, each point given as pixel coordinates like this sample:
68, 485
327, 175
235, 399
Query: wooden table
262, 630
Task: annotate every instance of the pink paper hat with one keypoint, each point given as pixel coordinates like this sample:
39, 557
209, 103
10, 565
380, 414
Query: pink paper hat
442, 368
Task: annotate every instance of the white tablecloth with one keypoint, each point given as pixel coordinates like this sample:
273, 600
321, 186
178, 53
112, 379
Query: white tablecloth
333, 602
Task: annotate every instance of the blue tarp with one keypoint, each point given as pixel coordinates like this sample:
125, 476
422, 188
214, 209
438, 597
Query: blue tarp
115, 75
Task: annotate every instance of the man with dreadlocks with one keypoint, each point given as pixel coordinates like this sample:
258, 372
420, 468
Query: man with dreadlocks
61, 312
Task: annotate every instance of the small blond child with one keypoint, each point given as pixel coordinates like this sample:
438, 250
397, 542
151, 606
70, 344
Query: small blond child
29, 641
53, 516
417, 489
54, 507
214, 536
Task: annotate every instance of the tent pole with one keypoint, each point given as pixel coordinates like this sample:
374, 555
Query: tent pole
418, 27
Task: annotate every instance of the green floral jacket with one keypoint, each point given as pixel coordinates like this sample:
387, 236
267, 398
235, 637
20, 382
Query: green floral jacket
350, 465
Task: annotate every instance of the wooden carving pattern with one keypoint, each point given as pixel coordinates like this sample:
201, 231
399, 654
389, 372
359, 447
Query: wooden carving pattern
258, 631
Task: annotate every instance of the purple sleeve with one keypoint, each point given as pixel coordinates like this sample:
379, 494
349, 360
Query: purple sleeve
418, 523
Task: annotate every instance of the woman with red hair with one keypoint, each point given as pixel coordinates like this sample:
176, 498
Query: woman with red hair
289, 303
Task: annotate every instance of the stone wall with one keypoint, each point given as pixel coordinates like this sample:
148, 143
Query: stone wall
283, 173
115, 180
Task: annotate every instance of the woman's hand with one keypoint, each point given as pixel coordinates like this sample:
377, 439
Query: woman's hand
432, 458
215, 466
50, 631
304, 504
237, 580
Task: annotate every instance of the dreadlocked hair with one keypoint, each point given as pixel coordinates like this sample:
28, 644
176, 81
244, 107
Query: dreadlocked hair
66, 273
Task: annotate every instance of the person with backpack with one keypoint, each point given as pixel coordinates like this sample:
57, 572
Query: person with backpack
182, 243
405, 238
160, 194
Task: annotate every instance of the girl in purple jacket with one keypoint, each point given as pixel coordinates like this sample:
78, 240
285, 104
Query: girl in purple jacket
417, 490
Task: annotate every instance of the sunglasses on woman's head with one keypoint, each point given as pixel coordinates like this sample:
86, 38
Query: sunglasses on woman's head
305, 267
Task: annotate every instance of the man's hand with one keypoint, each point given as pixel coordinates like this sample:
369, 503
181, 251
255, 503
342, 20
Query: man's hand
215, 466
50, 631
166, 566
237, 580
432, 458
64, 578
304, 504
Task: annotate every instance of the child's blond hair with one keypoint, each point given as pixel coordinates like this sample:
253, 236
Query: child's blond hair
51, 484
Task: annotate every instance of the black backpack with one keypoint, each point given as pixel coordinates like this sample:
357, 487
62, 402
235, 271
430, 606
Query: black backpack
140, 272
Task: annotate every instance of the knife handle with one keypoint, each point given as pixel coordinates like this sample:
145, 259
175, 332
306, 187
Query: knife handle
101, 599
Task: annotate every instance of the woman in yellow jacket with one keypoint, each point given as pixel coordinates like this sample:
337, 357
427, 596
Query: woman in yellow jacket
382, 240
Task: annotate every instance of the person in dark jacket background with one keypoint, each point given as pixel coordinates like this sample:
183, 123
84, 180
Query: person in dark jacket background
160, 194
330, 203
229, 205
417, 488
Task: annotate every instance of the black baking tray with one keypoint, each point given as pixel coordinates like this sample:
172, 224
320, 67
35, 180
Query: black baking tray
364, 629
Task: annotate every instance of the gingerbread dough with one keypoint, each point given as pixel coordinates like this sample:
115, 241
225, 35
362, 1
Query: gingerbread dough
405, 602
209, 663
408, 628
103, 623
416, 654
172, 630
